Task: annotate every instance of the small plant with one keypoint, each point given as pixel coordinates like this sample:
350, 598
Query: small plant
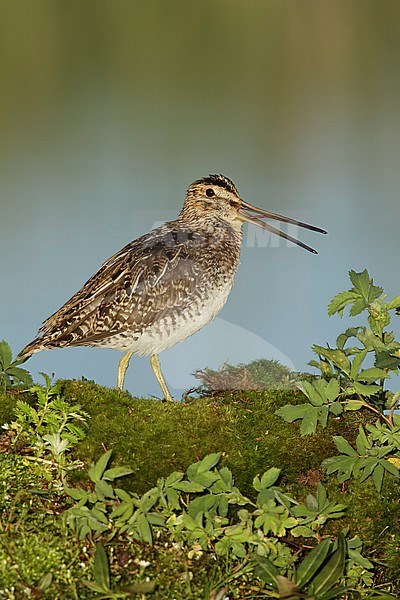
49, 429
11, 373
353, 377
193, 511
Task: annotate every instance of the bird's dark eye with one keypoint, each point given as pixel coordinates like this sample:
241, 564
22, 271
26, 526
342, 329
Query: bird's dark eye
210, 192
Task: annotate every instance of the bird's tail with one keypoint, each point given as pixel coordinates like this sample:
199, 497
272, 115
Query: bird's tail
31, 349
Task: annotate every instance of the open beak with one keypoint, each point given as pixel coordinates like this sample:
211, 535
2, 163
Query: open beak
252, 214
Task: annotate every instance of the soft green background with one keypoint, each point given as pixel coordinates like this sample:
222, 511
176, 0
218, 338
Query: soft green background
110, 108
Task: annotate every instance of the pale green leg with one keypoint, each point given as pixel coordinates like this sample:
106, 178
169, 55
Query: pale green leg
122, 367
155, 365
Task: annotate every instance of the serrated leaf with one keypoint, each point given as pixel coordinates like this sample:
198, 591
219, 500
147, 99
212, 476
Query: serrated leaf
101, 568
104, 489
343, 446
173, 478
332, 390
312, 562
361, 281
385, 360
340, 301
309, 423
366, 390
313, 391
372, 374
292, 412
358, 306
270, 477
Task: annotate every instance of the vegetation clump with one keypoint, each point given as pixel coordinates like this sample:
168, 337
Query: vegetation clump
260, 374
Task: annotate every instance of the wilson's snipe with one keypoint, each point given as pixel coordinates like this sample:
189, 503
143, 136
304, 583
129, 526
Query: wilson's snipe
164, 286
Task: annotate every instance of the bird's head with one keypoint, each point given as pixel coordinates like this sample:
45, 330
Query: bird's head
216, 196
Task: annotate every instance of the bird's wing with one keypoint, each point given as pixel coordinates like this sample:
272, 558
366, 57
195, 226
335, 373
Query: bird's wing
130, 291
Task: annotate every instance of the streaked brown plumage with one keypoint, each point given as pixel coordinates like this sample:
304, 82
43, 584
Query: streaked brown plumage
164, 286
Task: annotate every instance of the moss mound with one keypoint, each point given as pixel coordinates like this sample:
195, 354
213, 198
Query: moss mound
155, 438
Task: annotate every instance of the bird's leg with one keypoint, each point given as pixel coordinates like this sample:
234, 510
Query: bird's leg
155, 365
122, 367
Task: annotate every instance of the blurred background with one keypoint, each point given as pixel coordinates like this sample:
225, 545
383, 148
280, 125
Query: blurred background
109, 109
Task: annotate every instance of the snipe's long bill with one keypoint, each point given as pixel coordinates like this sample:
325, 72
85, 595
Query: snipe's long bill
253, 214
166, 285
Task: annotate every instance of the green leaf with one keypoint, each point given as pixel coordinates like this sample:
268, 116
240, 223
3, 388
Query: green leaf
385, 360
270, 477
394, 303
5, 355
313, 391
173, 478
343, 446
356, 363
358, 306
76, 493
312, 562
353, 405
336, 356
309, 423
366, 390
116, 472
365, 286
390, 467
332, 571
302, 531
340, 301
101, 568
292, 412
144, 529
377, 477
372, 374
208, 462
336, 408
189, 486
332, 390
104, 489
265, 569
96, 471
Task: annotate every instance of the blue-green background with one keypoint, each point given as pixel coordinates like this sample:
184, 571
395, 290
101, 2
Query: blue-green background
110, 108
